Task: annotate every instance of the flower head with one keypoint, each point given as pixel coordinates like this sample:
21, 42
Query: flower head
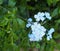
37, 30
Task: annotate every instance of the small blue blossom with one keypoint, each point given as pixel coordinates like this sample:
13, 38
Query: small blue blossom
42, 18
51, 31
49, 35
30, 20
28, 25
31, 37
42, 28
48, 15
39, 16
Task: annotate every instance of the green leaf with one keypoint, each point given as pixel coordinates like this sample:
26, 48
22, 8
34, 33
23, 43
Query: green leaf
2, 33
55, 2
12, 3
37, 45
52, 2
42, 47
22, 11
21, 23
59, 10
55, 12
3, 22
1, 1
15, 25
58, 46
49, 2
56, 35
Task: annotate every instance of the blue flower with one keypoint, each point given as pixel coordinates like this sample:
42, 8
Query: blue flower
30, 20
48, 15
28, 25
32, 37
37, 30
49, 35
39, 16
51, 31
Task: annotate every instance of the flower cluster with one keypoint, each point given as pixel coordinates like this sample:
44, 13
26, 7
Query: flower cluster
42, 16
37, 30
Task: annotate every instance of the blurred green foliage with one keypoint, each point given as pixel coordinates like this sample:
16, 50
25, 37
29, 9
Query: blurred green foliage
13, 18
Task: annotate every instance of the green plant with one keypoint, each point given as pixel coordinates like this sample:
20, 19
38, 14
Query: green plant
13, 19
